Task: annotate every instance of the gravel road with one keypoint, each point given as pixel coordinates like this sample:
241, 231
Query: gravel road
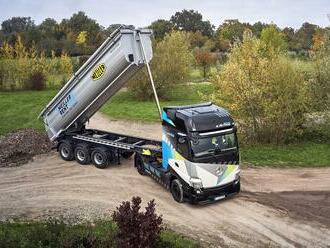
277, 207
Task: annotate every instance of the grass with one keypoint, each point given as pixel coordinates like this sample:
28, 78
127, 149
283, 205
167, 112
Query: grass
305, 154
58, 234
125, 106
21, 109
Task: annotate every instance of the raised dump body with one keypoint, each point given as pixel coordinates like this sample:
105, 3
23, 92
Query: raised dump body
106, 71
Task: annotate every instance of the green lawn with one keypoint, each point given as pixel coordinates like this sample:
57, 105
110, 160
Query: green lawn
21, 109
306, 154
125, 106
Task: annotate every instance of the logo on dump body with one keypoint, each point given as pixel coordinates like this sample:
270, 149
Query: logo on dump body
98, 72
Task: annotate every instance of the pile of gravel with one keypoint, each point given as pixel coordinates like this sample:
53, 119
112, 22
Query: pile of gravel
19, 147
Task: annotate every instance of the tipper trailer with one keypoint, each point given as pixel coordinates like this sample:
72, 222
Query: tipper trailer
198, 156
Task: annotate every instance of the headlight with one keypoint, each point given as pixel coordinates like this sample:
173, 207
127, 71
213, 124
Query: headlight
196, 183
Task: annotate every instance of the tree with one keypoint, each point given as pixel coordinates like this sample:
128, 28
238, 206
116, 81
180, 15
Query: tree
170, 66
81, 22
205, 59
160, 28
288, 33
191, 21
17, 24
304, 36
232, 30
320, 83
258, 27
264, 90
273, 39
82, 39
196, 39
49, 27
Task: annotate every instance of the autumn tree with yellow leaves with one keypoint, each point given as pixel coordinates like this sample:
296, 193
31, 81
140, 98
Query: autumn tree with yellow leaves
262, 89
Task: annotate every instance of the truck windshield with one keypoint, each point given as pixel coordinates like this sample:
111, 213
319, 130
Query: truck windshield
213, 145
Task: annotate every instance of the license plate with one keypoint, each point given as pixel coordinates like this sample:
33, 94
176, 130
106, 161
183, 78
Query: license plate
219, 197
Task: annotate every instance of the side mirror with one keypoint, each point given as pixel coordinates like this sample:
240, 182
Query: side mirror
182, 138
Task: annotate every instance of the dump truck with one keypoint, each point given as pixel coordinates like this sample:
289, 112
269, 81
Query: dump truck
197, 158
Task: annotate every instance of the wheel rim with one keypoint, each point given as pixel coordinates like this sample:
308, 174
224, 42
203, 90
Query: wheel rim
98, 158
81, 155
65, 152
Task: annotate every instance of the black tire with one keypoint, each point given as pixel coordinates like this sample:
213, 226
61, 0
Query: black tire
127, 155
100, 158
177, 191
139, 165
65, 150
82, 154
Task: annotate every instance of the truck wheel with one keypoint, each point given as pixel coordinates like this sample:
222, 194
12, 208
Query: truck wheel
177, 191
100, 158
127, 155
82, 155
66, 151
139, 165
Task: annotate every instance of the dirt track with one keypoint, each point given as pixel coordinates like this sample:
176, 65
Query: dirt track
278, 207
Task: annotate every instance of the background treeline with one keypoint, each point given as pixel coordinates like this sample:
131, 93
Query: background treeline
81, 35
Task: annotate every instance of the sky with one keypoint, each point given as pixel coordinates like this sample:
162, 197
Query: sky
141, 13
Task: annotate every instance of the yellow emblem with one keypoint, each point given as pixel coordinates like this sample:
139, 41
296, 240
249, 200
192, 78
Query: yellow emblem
98, 72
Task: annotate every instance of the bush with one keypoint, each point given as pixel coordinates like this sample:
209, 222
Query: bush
37, 81
137, 229
170, 66
51, 233
264, 91
320, 83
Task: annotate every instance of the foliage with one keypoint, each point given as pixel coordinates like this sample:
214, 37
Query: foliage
66, 67
204, 59
320, 83
18, 63
191, 21
273, 39
160, 28
264, 90
197, 39
37, 80
54, 233
135, 228
170, 66
17, 24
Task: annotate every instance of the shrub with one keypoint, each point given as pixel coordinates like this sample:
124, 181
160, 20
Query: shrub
137, 229
170, 66
264, 91
320, 83
37, 81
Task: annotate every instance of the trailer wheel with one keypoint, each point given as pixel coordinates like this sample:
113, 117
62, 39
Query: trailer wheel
100, 158
177, 191
139, 165
127, 155
82, 154
66, 151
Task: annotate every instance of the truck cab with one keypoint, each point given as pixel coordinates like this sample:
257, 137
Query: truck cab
200, 153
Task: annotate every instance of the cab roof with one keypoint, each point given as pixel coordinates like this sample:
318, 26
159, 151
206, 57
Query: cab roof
198, 117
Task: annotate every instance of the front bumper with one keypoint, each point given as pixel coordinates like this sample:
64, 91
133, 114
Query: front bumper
213, 194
